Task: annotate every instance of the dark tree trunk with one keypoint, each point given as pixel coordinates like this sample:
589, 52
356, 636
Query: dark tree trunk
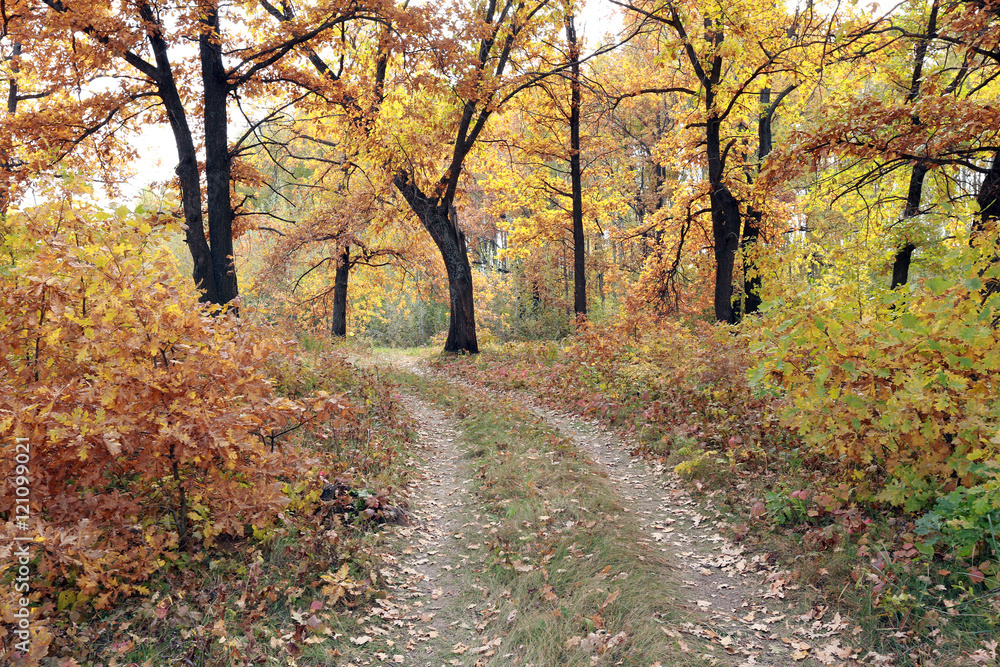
989, 207
5, 159
440, 219
754, 218
576, 177
187, 162
751, 279
989, 197
339, 325
218, 162
901, 263
904, 255
726, 223
726, 232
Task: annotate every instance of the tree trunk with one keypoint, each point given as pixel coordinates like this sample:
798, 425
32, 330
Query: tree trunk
187, 161
339, 325
726, 224
901, 263
440, 219
754, 218
751, 279
7, 177
576, 177
725, 228
218, 162
989, 207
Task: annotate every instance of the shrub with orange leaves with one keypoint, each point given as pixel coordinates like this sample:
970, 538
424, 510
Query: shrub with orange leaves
150, 423
675, 383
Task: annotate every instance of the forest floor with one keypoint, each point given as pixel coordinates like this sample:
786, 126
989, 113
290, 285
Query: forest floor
536, 538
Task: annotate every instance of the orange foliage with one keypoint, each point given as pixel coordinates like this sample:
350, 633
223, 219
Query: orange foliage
150, 423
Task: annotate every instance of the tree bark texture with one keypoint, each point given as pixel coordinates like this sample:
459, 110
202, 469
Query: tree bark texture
187, 161
901, 263
989, 215
339, 325
726, 223
576, 175
754, 218
904, 255
218, 163
439, 218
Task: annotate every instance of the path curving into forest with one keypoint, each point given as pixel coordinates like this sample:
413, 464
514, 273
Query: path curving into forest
733, 602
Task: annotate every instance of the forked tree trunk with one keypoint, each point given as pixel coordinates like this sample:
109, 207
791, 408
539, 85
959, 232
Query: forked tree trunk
187, 161
339, 324
440, 219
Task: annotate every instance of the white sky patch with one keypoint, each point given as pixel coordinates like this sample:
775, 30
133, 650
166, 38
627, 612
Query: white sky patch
597, 19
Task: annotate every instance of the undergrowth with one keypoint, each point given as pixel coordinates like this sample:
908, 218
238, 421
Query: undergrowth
923, 585
175, 459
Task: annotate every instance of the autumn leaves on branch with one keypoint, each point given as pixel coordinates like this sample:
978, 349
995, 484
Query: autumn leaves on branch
694, 129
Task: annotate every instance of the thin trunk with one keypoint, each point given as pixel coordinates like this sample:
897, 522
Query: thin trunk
218, 163
901, 262
5, 159
751, 279
565, 270
576, 179
339, 325
12, 88
754, 218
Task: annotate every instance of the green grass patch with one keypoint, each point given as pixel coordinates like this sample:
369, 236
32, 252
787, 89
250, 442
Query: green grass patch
566, 570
